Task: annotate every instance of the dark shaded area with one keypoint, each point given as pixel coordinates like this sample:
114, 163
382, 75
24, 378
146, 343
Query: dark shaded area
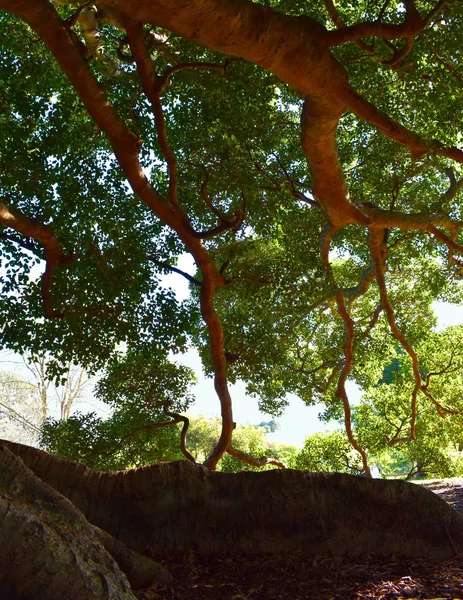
298, 577
302, 577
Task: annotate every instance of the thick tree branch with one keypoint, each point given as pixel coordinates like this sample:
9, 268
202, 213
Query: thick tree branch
319, 121
271, 40
415, 143
219, 360
387, 219
343, 366
412, 25
44, 20
54, 255
31, 228
231, 223
153, 86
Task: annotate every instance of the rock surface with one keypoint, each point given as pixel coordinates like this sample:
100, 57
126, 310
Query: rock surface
48, 549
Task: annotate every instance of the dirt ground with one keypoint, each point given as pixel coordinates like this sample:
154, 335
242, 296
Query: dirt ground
302, 577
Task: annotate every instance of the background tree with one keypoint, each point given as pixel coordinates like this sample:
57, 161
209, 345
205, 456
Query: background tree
27, 402
20, 417
383, 415
305, 156
145, 393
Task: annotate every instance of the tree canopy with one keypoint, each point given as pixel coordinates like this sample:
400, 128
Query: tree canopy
305, 154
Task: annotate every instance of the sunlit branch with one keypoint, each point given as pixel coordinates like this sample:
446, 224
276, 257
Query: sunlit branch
341, 389
48, 25
31, 228
412, 25
390, 128
344, 366
387, 219
153, 86
255, 462
442, 411
337, 20
376, 240
319, 121
53, 252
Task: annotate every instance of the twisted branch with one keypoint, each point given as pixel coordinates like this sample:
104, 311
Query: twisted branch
376, 243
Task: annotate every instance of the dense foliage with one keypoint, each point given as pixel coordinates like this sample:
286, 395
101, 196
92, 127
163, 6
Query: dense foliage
305, 154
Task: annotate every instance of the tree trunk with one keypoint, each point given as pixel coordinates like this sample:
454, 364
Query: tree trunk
179, 506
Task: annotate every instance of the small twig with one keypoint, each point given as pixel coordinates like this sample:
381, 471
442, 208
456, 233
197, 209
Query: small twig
72, 20
199, 65
448, 66
435, 11
442, 411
